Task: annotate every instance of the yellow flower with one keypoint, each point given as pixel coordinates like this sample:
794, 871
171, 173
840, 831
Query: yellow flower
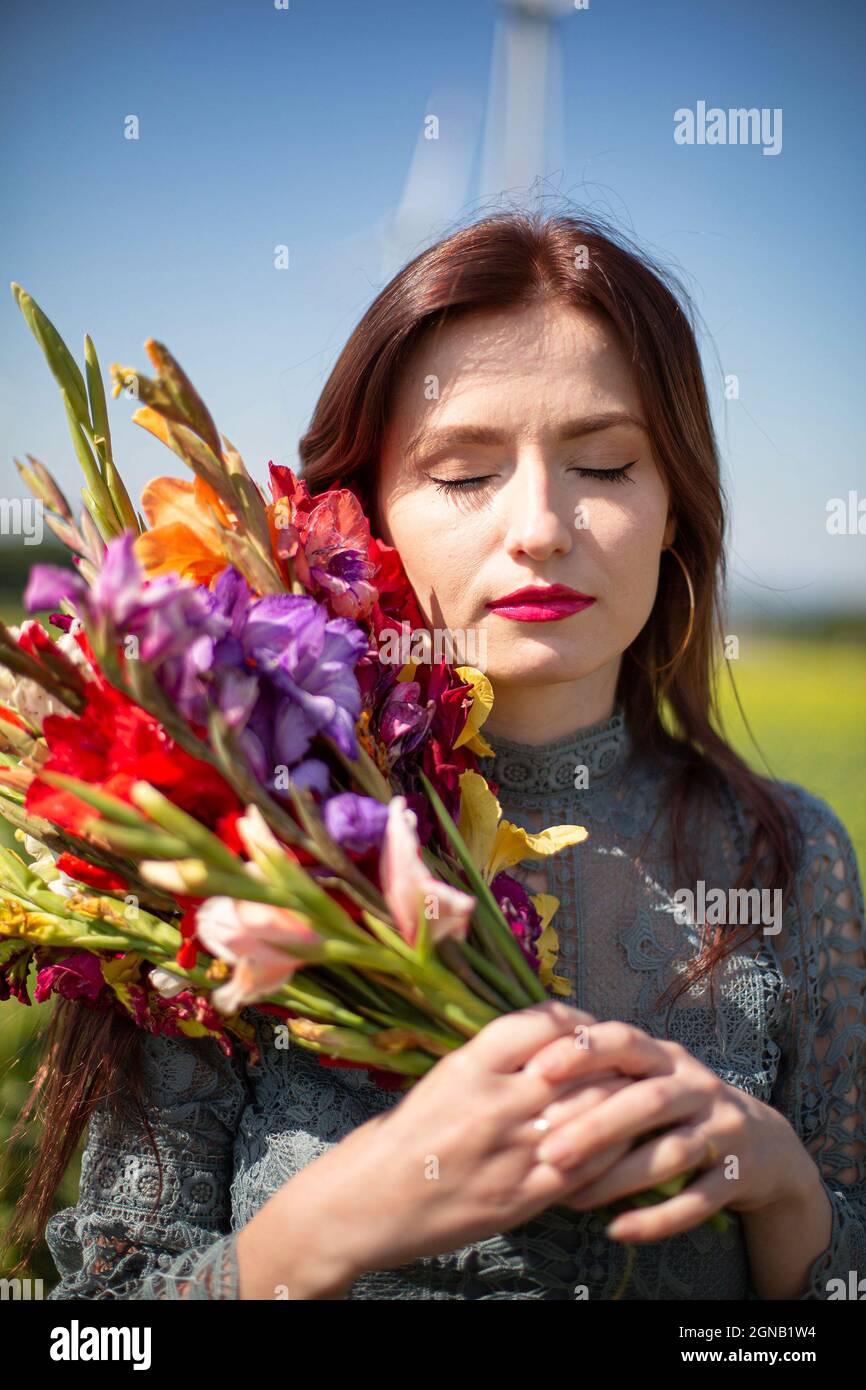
547, 944
496, 844
122, 972
482, 704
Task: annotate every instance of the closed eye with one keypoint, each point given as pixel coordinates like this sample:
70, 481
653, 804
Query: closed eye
453, 484
611, 475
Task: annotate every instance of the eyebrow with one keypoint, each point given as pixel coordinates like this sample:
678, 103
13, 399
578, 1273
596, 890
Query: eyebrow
427, 440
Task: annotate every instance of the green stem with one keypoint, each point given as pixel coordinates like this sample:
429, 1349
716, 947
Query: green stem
496, 977
453, 954
491, 922
631, 1256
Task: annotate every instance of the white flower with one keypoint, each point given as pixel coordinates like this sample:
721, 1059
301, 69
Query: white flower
165, 983
28, 698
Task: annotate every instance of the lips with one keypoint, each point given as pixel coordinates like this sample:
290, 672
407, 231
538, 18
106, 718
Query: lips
541, 603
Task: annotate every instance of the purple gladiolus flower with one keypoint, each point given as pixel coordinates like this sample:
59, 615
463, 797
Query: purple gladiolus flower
48, 584
520, 913
346, 575
313, 775
403, 722
279, 668
309, 658
356, 822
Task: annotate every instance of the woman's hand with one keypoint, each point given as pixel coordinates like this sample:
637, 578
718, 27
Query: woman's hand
634, 1083
454, 1161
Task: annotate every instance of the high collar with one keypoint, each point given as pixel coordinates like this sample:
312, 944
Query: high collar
551, 767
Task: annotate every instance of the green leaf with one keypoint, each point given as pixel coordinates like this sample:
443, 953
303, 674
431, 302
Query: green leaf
96, 392
89, 465
105, 528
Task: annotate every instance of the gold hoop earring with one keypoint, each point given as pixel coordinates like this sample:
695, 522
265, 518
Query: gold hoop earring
689, 629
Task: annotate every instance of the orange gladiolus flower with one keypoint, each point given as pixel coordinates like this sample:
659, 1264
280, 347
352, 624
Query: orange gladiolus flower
183, 538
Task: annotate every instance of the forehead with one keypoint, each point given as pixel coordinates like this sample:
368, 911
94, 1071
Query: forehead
546, 362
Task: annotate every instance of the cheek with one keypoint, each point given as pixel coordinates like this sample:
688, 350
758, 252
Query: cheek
440, 550
630, 540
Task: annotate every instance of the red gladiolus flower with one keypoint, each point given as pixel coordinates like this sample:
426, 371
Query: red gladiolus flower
385, 1080
90, 874
113, 744
277, 1010
187, 954
11, 717
397, 598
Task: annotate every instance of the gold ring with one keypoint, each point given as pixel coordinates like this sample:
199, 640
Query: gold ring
712, 1152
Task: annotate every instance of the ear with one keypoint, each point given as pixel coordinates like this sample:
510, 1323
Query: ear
670, 533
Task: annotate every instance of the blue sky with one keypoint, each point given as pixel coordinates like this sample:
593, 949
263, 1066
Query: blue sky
261, 127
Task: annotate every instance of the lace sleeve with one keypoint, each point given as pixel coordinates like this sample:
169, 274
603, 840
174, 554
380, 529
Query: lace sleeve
125, 1239
821, 1088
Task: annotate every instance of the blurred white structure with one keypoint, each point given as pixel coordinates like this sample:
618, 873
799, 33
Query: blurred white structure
522, 134
524, 128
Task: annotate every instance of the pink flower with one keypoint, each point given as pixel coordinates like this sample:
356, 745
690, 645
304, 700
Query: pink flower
409, 887
327, 538
259, 941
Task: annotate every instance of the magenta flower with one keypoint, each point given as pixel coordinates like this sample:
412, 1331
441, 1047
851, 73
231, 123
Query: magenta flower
78, 976
520, 913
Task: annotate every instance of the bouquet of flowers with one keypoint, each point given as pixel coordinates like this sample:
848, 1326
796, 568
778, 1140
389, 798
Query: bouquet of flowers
228, 789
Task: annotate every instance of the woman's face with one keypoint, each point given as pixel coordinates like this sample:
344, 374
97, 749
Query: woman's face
513, 408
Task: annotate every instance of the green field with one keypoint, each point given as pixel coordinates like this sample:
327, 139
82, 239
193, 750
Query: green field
806, 704
805, 701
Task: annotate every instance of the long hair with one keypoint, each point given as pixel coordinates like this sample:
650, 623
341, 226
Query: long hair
511, 260
506, 261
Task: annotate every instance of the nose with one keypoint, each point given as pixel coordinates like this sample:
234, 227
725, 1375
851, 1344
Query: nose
536, 524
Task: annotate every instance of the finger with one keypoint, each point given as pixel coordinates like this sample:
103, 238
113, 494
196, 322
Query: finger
648, 1104
508, 1042
554, 1186
551, 1060
539, 1107
681, 1151
589, 1173
579, 1096
601, 1047
536, 1100
690, 1208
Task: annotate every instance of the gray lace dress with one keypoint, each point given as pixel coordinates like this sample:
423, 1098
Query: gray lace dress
787, 1023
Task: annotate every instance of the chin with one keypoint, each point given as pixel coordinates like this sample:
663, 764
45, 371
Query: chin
540, 667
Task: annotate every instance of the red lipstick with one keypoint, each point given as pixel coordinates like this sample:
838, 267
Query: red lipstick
540, 603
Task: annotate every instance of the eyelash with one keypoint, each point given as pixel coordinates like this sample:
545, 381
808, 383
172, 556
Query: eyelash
613, 475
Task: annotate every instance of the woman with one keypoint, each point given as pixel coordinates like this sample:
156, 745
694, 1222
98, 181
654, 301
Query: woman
523, 407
